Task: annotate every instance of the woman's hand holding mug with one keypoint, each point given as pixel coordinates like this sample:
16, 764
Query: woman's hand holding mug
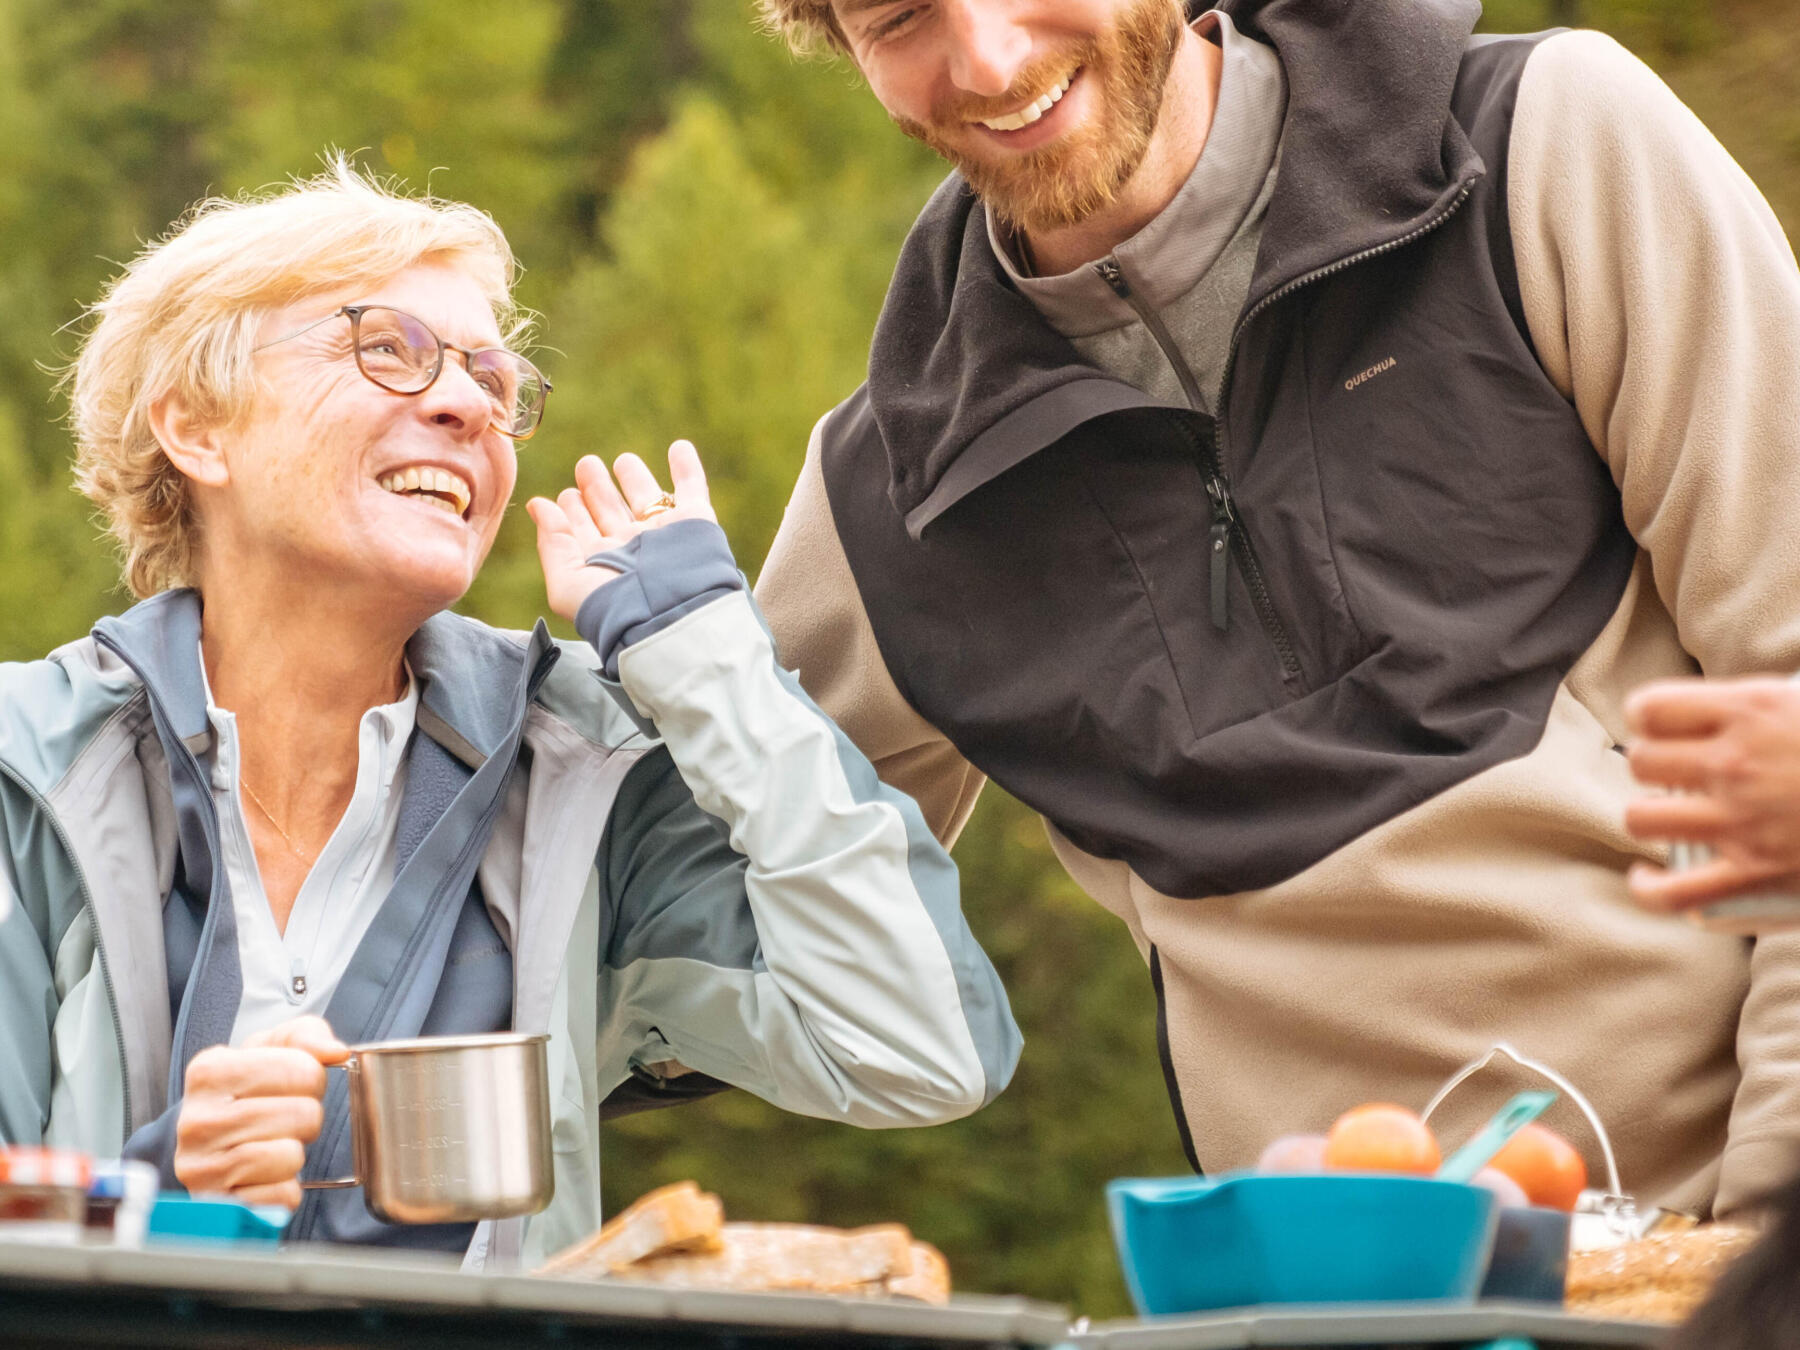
248, 1112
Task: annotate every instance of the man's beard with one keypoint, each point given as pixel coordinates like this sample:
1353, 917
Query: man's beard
1075, 176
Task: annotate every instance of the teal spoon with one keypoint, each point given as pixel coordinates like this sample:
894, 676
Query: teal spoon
1463, 1164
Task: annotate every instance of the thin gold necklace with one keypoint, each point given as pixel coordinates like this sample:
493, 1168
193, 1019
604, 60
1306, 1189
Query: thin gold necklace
269, 816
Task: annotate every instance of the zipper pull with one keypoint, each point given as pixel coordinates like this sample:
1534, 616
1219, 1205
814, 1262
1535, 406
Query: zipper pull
1219, 546
1114, 275
1218, 549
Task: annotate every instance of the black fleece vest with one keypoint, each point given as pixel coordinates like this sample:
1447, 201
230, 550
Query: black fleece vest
1425, 540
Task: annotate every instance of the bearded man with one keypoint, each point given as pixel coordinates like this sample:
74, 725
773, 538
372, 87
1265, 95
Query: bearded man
1291, 432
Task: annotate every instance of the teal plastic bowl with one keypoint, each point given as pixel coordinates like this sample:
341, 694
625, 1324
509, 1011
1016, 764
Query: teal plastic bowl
1189, 1244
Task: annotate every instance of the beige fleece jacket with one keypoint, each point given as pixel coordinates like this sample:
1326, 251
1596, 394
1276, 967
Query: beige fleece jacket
1664, 301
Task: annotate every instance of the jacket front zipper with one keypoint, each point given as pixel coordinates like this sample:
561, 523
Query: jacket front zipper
209, 828
1226, 534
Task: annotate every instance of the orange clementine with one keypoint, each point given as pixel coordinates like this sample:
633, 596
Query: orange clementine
1380, 1137
1546, 1166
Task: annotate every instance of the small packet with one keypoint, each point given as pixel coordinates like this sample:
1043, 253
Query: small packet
43, 1194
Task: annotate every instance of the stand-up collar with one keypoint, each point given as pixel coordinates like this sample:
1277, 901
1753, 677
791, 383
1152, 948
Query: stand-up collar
467, 673
1370, 150
160, 639
962, 363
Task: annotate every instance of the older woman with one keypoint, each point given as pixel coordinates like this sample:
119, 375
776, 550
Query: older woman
290, 802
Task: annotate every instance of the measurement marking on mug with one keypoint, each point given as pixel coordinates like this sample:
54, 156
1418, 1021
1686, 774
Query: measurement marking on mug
425, 1104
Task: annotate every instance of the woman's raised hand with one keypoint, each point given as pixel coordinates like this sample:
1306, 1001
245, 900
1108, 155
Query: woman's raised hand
597, 515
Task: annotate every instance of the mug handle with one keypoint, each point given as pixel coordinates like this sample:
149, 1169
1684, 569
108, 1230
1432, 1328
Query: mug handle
335, 1183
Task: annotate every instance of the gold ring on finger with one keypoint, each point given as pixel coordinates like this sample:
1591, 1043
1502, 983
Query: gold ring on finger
664, 502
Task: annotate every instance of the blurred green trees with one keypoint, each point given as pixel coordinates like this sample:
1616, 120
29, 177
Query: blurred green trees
708, 229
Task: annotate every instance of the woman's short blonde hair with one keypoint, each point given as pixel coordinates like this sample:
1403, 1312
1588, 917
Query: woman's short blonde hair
183, 317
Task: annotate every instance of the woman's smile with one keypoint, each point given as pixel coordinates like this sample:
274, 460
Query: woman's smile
444, 489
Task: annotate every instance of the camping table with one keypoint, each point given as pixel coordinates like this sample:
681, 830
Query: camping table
215, 1296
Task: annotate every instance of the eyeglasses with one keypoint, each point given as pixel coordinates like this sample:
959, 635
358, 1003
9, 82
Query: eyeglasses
403, 355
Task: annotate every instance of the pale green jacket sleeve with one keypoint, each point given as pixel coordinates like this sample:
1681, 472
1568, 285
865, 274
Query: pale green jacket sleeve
780, 919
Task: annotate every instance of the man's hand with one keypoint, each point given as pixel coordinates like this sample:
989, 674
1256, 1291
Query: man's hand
247, 1114
1732, 750
595, 516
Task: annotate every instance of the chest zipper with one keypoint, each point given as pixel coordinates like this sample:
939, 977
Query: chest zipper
209, 817
1226, 534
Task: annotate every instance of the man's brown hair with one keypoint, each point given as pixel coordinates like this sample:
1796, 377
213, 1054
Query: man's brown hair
808, 25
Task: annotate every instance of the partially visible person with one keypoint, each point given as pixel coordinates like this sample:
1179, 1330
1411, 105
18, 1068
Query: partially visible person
1729, 753
1290, 434
1722, 758
290, 801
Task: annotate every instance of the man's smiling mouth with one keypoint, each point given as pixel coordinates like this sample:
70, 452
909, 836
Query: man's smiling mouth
440, 487
1030, 113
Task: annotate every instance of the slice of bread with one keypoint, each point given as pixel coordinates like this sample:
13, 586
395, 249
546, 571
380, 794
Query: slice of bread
677, 1236
1657, 1279
878, 1260
929, 1281
677, 1218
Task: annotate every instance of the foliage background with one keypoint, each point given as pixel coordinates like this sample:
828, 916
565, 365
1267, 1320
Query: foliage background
709, 229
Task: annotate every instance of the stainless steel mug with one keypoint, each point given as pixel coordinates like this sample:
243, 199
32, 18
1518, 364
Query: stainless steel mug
448, 1129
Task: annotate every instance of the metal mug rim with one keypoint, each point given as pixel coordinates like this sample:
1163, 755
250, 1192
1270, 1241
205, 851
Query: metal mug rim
414, 1045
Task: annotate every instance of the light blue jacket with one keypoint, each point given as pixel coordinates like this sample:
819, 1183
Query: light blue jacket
690, 868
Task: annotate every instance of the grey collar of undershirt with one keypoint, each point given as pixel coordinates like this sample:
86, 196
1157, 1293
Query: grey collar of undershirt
1168, 257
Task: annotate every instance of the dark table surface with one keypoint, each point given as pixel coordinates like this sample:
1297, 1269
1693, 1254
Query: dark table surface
198, 1296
